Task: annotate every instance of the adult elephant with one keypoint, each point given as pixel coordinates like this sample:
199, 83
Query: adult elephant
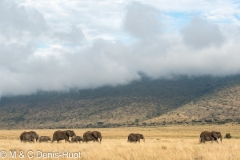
62, 135
76, 139
92, 136
44, 139
29, 136
210, 136
135, 137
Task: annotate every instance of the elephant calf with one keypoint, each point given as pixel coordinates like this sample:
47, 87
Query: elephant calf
76, 139
210, 136
44, 139
135, 137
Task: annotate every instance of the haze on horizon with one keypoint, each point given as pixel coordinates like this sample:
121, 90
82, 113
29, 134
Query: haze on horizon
60, 44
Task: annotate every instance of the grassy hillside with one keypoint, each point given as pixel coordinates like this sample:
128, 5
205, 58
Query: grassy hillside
219, 107
137, 103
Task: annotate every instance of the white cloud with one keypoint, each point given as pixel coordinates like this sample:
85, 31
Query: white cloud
199, 33
18, 22
62, 44
142, 20
73, 36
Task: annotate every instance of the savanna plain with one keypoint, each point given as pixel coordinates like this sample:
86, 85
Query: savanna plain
161, 143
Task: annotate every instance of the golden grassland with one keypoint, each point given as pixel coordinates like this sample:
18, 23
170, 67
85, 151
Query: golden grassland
163, 143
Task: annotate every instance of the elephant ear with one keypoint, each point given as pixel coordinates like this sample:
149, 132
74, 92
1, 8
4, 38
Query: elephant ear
140, 136
219, 135
68, 133
95, 134
215, 135
74, 134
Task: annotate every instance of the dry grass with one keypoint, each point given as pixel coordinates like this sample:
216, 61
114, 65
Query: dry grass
163, 143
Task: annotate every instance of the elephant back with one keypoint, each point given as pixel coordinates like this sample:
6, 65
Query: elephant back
87, 136
61, 135
58, 135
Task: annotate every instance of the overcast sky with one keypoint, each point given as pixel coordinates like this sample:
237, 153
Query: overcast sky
55, 45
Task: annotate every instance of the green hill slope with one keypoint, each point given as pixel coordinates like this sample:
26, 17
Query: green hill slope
130, 104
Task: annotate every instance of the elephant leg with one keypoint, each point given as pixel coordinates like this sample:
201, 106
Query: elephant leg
67, 140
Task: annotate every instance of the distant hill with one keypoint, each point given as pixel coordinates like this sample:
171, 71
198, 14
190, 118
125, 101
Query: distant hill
218, 107
138, 103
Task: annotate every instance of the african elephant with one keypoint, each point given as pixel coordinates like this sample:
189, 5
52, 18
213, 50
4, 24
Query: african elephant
44, 139
29, 136
92, 136
61, 135
76, 139
210, 136
135, 137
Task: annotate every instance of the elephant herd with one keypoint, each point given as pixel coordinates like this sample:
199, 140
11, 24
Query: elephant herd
32, 136
96, 136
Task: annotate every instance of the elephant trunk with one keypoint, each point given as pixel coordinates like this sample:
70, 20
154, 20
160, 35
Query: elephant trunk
221, 139
144, 140
100, 139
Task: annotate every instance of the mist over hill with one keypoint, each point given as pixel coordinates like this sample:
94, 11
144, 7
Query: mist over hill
123, 105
